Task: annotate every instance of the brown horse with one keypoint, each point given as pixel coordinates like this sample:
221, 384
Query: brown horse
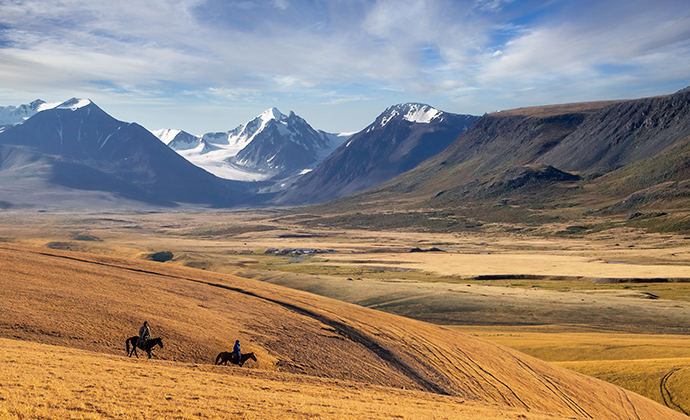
224, 357
132, 341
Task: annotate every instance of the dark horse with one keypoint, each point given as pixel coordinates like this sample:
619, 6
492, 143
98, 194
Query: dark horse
132, 341
226, 356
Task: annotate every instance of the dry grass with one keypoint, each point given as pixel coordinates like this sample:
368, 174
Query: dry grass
48, 382
61, 297
568, 343
85, 301
662, 380
655, 366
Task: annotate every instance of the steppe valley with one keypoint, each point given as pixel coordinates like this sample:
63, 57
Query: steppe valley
395, 324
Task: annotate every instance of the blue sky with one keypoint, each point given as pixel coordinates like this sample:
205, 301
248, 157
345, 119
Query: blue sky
210, 65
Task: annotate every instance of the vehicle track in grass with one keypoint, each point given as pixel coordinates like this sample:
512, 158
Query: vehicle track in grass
666, 392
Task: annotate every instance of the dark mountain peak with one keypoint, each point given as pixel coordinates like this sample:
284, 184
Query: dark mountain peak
184, 141
36, 104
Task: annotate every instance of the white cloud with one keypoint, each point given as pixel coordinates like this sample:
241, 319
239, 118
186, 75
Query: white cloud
580, 50
281, 4
253, 50
492, 5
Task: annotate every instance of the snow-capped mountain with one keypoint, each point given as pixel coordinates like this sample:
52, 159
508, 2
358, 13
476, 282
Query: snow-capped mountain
10, 115
272, 145
78, 147
412, 112
399, 139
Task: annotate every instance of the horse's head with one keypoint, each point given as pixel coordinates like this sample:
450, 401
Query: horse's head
253, 357
159, 342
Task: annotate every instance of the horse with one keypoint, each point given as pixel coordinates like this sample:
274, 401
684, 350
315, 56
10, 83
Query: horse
224, 357
147, 346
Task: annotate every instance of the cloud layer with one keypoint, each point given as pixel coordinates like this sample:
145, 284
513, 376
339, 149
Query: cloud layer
472, 56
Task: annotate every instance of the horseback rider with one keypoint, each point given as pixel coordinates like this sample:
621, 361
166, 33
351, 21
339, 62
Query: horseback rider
144, 335
237, 353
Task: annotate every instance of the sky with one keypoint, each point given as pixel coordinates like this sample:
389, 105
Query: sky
211, 65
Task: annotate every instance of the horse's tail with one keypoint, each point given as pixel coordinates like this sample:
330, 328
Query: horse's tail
127, 341
220, 355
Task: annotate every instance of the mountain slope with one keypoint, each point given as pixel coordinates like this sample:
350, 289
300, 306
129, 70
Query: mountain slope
624, 133
86, 149
398, 140
591, 155
80, 300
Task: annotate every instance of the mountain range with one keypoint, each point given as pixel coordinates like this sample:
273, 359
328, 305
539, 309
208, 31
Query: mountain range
64, 151
271, 146
77, 153
526, 164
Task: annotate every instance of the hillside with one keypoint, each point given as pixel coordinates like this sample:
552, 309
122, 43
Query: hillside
528, 167
92, 302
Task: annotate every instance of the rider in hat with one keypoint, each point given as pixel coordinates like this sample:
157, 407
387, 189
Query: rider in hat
237, 353
144, 335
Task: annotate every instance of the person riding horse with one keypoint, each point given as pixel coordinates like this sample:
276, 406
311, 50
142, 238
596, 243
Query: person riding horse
144, 335
237, 353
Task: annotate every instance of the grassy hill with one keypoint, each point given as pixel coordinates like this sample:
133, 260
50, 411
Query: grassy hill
89, 304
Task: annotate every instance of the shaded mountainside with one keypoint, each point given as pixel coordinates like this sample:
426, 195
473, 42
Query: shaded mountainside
81, 147
598, 152
623, 133
397, 141
87, 301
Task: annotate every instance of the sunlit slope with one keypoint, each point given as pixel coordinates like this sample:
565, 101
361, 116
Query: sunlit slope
74, 383
94, 302
652, 365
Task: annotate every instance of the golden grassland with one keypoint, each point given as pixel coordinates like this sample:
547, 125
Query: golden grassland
370, 269
48, 382
657, 366
85, 301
